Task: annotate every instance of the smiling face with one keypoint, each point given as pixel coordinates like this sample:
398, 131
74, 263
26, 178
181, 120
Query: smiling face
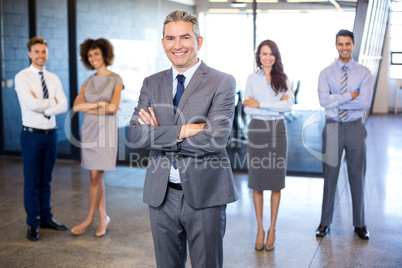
267, 58
95, 58
38, 55
345, 46
181, 45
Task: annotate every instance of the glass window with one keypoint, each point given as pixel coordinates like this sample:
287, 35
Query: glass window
306, 46
395, 69
15, 35
52, 25
231, 50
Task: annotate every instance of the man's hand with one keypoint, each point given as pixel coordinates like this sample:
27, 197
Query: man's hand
190, 130
148, 118
33, 94
250, 102
354, 95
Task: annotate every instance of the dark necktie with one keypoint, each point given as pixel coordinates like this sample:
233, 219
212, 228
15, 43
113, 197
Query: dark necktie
176, 99
344, 88
45, 92
179, 91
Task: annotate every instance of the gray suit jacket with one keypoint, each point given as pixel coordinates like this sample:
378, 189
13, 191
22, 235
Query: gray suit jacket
205, 171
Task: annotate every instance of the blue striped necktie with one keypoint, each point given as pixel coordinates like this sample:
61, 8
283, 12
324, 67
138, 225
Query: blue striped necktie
176, 100
344, 88
45, 92
180, 90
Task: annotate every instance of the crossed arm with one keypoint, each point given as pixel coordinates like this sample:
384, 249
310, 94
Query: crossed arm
201, 134
49, 106
187, 130
331, 100
43, 112
98, 107
250, 102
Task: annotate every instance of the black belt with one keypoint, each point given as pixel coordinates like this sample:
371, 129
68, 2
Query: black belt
37, 130
330, 121
176, 186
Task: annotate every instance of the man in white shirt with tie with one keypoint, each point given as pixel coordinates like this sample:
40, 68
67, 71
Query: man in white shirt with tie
41, 97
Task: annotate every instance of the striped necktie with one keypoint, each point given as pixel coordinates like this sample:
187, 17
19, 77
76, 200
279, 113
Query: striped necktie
344, 88
176, 100
180, 90
45, 92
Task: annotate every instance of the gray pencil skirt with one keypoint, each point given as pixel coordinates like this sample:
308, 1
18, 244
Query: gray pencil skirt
267, 154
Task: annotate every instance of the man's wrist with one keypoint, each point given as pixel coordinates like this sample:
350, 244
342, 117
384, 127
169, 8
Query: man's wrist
182, 133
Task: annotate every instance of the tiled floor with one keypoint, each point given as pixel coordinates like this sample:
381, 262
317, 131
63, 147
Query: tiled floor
128, 243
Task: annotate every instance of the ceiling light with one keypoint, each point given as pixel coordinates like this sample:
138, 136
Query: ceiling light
304, 1
238, 4
264, 1
223, 10
184, 2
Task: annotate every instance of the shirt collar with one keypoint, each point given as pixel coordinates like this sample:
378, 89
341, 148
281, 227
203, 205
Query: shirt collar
260, 72
189, 73
36, 70
349, 65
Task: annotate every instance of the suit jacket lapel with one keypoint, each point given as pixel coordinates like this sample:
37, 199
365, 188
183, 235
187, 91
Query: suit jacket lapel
195, 81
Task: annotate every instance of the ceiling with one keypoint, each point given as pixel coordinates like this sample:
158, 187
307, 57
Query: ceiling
269, 5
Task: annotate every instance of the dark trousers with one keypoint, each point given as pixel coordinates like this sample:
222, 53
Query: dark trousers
351, 137
39, 155
175, 223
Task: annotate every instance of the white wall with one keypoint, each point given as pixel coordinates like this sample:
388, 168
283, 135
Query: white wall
385, 96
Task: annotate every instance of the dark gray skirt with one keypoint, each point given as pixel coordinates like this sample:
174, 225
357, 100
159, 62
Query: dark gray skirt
267, 153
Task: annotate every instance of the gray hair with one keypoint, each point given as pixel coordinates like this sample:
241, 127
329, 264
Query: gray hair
182, 15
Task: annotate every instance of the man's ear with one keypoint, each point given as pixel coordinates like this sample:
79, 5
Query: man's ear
199, 42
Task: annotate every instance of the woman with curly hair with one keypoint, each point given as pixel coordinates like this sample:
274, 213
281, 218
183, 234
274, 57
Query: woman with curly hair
267, 97
99, 100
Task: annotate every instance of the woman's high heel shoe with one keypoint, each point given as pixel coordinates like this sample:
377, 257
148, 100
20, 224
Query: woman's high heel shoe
260, 246
79, 230
270, 241
102, 231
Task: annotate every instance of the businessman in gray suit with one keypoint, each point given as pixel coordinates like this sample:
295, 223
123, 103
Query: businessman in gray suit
186, 122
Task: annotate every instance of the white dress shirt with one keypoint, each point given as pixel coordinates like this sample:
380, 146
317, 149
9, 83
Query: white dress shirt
33, 108
174, 175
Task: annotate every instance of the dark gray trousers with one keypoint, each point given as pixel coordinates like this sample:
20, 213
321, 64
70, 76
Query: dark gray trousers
351, 137
175, 223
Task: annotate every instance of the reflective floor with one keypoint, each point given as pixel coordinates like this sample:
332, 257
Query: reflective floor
128, 242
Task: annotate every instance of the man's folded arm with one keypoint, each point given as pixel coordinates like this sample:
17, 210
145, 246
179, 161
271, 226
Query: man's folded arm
213, 138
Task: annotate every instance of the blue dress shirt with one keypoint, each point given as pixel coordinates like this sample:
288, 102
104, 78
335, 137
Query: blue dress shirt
360, 80
271, 106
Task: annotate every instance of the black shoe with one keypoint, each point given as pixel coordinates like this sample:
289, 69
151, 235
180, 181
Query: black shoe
55, 225
33, 233
322, 231
362, 232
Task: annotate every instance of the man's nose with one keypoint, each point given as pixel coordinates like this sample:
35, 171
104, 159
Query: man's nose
177, 43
